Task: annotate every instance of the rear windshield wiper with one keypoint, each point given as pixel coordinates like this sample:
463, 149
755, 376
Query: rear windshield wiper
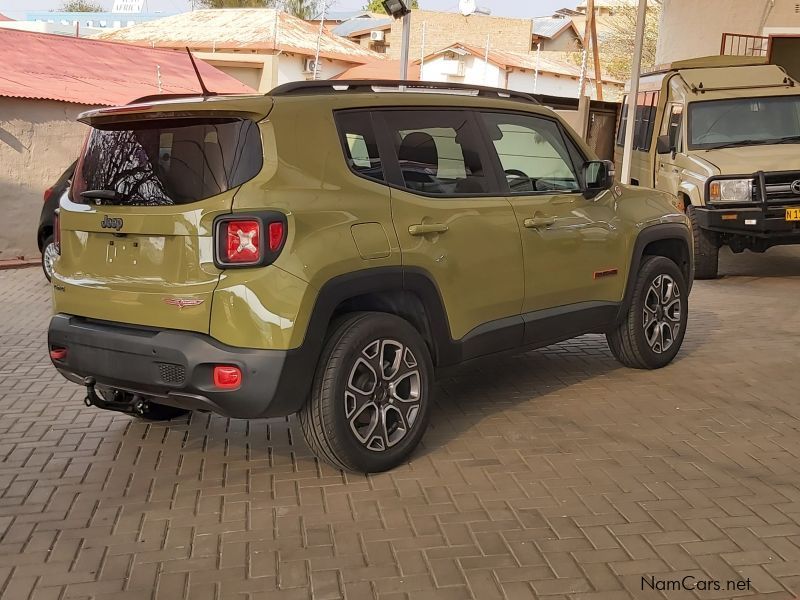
110, 195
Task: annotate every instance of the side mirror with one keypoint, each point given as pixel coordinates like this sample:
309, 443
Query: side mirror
663, 145
598, 176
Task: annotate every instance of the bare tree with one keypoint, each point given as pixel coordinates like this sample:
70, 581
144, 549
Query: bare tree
616, 46
80, 6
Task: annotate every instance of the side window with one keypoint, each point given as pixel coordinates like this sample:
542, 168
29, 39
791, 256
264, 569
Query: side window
438, 152
646, 108
674, 126
360, 144
533, 153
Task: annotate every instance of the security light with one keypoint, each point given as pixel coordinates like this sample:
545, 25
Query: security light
396, 8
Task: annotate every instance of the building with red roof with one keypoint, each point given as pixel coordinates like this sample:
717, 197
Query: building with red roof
262, 47
45, 83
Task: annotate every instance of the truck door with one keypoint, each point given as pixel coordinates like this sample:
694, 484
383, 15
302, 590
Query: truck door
668, 172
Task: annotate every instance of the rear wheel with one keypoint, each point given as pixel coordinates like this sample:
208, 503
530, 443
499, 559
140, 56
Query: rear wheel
49, 256
652, 332
706, 249
371, 395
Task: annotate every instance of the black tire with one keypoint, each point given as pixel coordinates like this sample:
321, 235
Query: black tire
48, 246
706, 249
629, 341
347, 360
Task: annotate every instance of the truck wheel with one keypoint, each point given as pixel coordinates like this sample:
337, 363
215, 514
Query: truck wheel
371, 394
652, 332
706, 249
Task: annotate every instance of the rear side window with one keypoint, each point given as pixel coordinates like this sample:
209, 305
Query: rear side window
166, 162
439, 152
360, 145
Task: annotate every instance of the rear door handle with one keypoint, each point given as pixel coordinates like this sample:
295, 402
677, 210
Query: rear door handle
425, 228
538, 222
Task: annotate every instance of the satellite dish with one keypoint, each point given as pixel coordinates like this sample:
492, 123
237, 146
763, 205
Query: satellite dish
467, 7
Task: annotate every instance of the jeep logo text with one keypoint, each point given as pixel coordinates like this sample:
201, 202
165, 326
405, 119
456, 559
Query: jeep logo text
111, 223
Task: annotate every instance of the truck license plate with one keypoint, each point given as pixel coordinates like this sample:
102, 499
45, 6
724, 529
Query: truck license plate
793, 214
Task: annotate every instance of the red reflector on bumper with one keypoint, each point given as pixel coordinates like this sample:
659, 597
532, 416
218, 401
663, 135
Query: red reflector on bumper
58, 353
227, 377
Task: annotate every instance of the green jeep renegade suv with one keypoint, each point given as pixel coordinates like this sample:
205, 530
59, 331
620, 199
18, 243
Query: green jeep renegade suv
325, 248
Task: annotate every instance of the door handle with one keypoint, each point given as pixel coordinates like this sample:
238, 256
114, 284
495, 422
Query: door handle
426, 228
537, 222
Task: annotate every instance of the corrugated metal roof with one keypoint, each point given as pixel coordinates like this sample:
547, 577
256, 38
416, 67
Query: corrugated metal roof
240, 29
361, 24
549, 27
380, 69
57, 67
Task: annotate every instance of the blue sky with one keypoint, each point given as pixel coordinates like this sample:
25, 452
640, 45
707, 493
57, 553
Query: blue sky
510, 8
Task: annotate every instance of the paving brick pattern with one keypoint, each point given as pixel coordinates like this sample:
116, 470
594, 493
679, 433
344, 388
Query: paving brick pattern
556, 474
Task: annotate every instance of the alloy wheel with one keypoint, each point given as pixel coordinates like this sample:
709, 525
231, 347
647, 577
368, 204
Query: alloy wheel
49, 257
662, 313
382, 394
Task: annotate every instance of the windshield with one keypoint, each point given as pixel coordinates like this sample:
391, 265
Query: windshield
744, 122
164, 162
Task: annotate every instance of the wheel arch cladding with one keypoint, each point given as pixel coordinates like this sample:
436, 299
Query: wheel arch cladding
408, 293
672, 240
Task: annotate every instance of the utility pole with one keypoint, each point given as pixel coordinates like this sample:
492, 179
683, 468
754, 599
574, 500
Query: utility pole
319, 38
636, 68
405, 47
598, 75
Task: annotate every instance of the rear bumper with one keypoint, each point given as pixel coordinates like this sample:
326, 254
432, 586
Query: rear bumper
176, 367
749, 222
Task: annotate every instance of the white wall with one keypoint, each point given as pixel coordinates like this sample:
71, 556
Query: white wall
476, 72
290, 68
690, 28
38, 140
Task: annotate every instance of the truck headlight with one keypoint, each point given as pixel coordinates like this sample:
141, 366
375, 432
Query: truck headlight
730, 190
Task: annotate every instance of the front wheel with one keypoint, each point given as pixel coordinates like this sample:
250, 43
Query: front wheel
652, 331
371, 396
706, 249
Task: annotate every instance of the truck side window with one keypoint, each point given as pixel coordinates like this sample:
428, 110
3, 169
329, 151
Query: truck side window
646, 108
674, 126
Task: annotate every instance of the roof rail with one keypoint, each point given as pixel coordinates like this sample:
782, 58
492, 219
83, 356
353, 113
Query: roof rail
344, 86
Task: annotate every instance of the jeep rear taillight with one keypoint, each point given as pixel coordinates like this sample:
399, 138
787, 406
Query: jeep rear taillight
242, 241
48, 193
277, 232
249, 239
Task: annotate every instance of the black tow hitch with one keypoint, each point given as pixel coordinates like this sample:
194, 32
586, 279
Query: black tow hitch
125, 402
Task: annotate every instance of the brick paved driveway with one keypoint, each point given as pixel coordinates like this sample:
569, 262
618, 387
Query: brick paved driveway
555, 474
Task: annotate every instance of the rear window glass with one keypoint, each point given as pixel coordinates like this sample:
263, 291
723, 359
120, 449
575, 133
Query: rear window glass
167, 162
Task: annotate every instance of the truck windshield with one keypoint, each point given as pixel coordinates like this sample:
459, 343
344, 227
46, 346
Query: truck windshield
744, 122
164, 162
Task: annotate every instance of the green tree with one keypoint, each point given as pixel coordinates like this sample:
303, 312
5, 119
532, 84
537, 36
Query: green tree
616, 48
376, 6
303, 9
80, 6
